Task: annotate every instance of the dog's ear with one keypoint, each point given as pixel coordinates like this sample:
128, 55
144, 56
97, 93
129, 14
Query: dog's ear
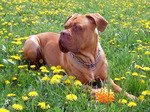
97, 19
72, 16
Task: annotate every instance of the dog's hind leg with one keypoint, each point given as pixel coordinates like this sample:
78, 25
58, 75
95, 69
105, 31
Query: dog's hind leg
32, 50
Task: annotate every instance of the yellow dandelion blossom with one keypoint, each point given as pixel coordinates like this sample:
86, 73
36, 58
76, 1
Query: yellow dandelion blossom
1, 65
142, 76
25, 98
56, 79
42, 67
53, 68
56, 71
131, 104
11, 95
15, 57
139, 41
123, 78
117, 79
146, 92
141, 97
77, 83
146, 68
17, 107
134, 74
45, 71
45, 79
43, 105
4, 110
58, 67
67, 81
122, 101
71, 77
14, 78
7, 82
33, 94
71, 97
147, 53
32, 66
138, 66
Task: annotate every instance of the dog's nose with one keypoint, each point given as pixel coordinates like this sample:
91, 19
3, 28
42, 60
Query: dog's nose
64, 33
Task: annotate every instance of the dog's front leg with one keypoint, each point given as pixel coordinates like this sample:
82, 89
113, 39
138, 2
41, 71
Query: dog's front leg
119, 89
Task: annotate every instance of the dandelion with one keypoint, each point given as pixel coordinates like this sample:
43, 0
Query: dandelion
131, 104
1, 65
11, 95
117, 79
7, 82
15, 57
58, 67
41, 61
43, 105
55, 80
104, 96
141, 97
25, 98
4, 110
53, 68
14, 78
32, 66
142, 76
134, 74
17, 107
77, 83
71, 77
122, 101
146, 92
139, 41
147, 53
33, 94
67, 81
71, 97
146, 68
45, 79
123, 78
138, 66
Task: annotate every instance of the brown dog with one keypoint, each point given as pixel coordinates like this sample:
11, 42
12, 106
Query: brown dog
76, 49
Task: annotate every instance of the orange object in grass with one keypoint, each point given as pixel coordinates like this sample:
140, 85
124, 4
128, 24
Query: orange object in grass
105, 96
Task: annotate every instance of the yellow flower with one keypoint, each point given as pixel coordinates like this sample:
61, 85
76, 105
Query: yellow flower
17, 107
146, 68
32, 66
45, 70
45, 79
15, 57
41, 61
139, 41
7, 82
123, 78
141, 97
67, 81
77, 83
146, 92
134, 74
71, 77
58, 67
42, 67
138, 66
131, 104
14, 78
53, 67
11, 95
122, 101
56, 79
1, 65
4, 110
25, 98
33, 94
147, 53
117, 79
142, 76
56, 71
43, 105
71, 97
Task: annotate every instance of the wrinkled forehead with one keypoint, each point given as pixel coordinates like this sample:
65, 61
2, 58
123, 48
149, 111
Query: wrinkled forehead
76, 19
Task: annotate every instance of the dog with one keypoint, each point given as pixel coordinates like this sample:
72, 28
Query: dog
76, 49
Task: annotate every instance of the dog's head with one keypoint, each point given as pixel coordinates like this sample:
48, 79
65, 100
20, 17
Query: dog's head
80, 31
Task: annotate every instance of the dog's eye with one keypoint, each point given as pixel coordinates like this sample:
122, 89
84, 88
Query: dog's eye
77, 28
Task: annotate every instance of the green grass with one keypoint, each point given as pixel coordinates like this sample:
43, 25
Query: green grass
129, 21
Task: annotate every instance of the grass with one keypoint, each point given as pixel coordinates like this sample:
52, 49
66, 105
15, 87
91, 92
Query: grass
125, 42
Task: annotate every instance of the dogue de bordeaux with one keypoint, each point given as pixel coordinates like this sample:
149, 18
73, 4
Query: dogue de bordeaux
76, 49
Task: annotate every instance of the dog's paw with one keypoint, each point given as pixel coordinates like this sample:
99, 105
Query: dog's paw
131, 97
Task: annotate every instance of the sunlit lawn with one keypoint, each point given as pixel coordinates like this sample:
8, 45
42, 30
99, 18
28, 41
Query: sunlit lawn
126, 42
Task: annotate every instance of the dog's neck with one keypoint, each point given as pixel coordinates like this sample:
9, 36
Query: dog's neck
89, 55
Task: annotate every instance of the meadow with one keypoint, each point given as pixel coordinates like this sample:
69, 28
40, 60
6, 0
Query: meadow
126, 43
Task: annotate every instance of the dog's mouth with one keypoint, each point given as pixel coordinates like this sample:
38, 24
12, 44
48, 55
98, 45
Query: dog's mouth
62, 47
